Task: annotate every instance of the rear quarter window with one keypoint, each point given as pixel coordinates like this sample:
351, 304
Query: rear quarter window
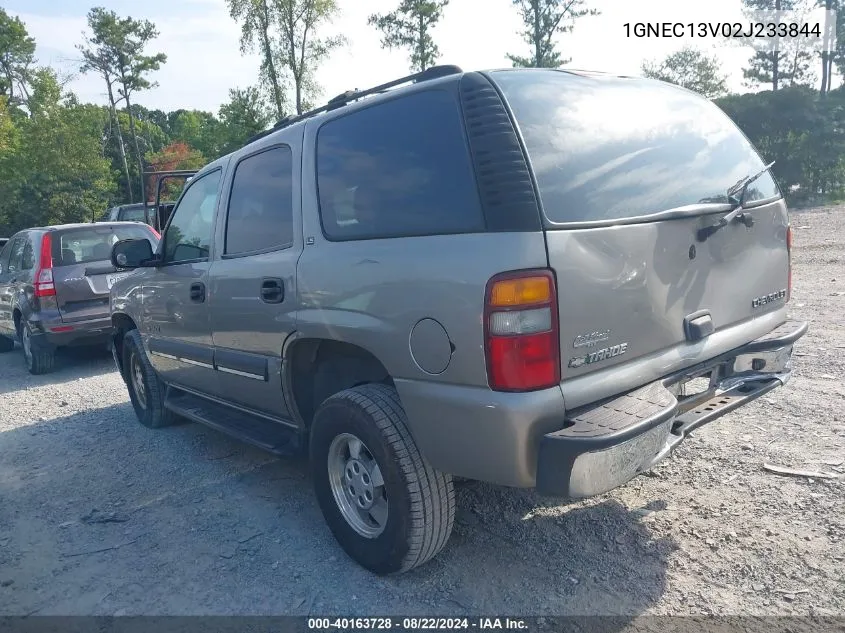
611, 148
397, 168
94, 244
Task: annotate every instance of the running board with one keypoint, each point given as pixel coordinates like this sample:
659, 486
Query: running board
274, 436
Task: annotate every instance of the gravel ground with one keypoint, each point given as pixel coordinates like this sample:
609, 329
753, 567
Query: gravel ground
99, 515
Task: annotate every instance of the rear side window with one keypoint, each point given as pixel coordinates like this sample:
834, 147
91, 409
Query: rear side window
261, 203
16, 255
94, 244
28, 255
5, 251
399, 168
611, 148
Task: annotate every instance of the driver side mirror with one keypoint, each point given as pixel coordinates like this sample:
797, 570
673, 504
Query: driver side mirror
131, 253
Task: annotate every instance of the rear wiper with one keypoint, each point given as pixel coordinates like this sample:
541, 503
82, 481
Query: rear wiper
741, 187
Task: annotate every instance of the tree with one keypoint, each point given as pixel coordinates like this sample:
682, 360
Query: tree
803, 133
9, 143
691, 69
409, 26
245, 115
198, 129
789, 63
827, 56
151, 134
798, 65
833, 54
785, 61
543, 19
98, 57
8, 131
17, 55
123, 41
257, 23
177, 155
58, 173
285, 31
301, 51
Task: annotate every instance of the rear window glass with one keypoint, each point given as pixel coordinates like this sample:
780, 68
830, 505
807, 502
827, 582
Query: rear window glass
133, 215
611, 148
398, 168
79, 246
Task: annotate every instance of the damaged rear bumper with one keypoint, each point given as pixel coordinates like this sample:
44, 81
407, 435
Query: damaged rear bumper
606, 444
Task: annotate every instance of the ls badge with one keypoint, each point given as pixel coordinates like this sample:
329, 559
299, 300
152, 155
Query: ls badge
599, 355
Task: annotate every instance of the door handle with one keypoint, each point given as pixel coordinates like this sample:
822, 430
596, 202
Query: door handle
198, 292
698, 325
272, 290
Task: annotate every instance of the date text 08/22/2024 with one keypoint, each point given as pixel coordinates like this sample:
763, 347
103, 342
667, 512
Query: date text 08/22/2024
417, 624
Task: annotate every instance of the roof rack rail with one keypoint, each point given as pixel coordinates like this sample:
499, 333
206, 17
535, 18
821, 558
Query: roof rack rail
172, 172
344, 98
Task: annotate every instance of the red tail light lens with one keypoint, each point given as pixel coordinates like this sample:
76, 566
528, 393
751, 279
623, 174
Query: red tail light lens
156, 233
44, 286
521, 331
789, 256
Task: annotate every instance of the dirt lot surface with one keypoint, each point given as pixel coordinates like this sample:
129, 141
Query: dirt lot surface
99, 515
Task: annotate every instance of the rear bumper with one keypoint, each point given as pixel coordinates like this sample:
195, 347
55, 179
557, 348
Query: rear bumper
59, 334
604, 445
529, 440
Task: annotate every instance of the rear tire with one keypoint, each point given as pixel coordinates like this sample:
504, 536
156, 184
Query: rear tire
404, 508
39, 360
146, 390
6, 345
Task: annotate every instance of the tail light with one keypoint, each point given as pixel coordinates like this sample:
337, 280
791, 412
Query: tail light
521, 331
156, 233
44, 286
789, 256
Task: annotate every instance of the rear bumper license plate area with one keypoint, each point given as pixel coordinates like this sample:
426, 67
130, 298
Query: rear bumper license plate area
607, 444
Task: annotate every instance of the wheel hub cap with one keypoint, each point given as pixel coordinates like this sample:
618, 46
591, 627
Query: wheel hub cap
138, 383
27, 343
357, 485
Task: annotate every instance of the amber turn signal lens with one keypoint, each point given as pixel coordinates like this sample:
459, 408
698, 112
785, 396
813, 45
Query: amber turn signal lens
519, 292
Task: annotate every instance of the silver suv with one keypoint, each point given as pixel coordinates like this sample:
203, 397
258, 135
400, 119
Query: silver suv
54, 287
534, 278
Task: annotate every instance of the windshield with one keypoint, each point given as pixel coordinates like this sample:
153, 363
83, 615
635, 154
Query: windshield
80, 246
610, 148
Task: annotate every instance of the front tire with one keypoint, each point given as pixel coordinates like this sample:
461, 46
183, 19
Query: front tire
146, 390
39, 359
385, 504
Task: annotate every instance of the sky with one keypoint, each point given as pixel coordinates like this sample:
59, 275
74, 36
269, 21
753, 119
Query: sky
204, 59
